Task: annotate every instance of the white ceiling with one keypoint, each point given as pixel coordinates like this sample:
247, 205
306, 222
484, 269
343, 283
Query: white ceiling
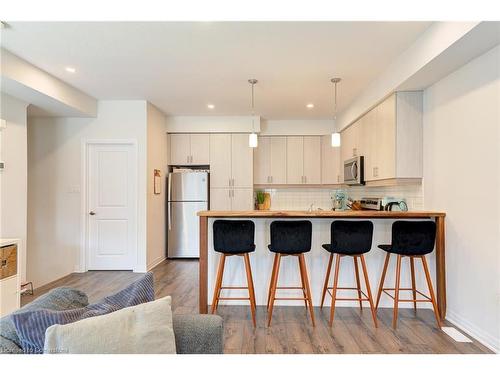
182, 66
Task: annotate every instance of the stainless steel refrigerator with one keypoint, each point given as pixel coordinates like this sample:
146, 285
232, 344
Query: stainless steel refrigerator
187, 194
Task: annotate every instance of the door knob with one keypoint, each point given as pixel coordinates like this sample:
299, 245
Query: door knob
92, 213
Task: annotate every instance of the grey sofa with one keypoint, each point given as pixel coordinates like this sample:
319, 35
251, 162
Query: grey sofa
194, 333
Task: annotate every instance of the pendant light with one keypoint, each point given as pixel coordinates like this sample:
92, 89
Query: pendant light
252, 139
335, 135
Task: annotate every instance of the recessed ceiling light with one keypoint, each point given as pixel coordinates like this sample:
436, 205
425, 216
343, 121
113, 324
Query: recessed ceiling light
210, 106
310, 105
70, 69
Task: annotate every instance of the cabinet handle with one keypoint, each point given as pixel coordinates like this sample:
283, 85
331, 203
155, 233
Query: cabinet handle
338, 178
271, 179
305, 179
191, 159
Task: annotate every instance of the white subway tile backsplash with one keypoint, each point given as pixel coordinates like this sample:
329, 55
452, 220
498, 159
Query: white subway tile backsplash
297, 198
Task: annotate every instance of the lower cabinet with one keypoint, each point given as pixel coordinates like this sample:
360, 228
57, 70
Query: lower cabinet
222, 199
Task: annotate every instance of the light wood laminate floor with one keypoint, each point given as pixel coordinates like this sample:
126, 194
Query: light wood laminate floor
291, 330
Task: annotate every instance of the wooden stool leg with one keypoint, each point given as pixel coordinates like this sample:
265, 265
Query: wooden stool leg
302, 282
369, 291
218, 282
251, 292
275, 262
356, 270
396, 292
302, 263
273, 290
334, 290
413, 284
431, 290
327, 277
381, 284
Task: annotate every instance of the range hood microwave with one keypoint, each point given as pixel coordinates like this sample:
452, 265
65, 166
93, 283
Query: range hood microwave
354, 171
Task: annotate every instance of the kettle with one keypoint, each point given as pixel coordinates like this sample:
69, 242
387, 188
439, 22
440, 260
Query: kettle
396, 206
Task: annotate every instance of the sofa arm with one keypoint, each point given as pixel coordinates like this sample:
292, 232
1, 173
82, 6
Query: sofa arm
198, 334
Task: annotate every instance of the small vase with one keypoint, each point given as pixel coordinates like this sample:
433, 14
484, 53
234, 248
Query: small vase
260, 206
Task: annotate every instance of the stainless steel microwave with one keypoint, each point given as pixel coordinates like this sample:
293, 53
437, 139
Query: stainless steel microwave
354, 171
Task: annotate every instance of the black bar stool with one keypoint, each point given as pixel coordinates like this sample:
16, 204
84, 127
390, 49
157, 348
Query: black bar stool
354, 239
412, 239
290, 238
234, 237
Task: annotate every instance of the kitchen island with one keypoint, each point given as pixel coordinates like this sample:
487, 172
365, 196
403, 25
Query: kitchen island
319, 218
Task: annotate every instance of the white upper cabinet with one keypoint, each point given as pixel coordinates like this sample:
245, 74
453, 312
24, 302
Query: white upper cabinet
295, 160
389, 137
270, 161
231, 161
241, 161
200, 154
189, 149
278, 160
180, 149
262, 161
220, 160
312, 160
330, 162
303, 160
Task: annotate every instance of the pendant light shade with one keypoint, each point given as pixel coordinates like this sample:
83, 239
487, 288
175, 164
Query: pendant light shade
335, 135
253, 140
335, 139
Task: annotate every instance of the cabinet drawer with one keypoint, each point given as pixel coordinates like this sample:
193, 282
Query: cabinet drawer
8, 261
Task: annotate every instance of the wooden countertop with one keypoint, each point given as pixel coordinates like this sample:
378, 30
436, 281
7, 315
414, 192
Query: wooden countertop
325, 214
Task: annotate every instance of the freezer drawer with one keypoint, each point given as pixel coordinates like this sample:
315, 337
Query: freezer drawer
183, 229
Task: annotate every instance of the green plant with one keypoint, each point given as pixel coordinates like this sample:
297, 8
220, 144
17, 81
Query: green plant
261, 196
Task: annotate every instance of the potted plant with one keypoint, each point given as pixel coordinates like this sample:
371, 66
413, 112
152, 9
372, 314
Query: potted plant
261, 197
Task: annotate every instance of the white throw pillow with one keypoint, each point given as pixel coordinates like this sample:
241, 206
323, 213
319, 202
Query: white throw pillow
143, 329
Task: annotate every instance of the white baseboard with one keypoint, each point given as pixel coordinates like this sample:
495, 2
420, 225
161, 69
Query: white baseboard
140, 268
155, 262
488, 340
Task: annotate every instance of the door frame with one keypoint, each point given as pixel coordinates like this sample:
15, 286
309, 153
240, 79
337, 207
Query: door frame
84, 198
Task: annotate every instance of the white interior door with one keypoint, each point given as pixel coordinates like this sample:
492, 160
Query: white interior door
111, 206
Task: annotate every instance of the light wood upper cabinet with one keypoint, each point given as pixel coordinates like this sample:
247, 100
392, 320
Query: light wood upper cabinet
389, 137
189, 149
231, 161
312, 160
330, 162
295, 160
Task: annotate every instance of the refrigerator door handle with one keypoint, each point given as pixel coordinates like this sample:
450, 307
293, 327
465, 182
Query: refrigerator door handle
169, 194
